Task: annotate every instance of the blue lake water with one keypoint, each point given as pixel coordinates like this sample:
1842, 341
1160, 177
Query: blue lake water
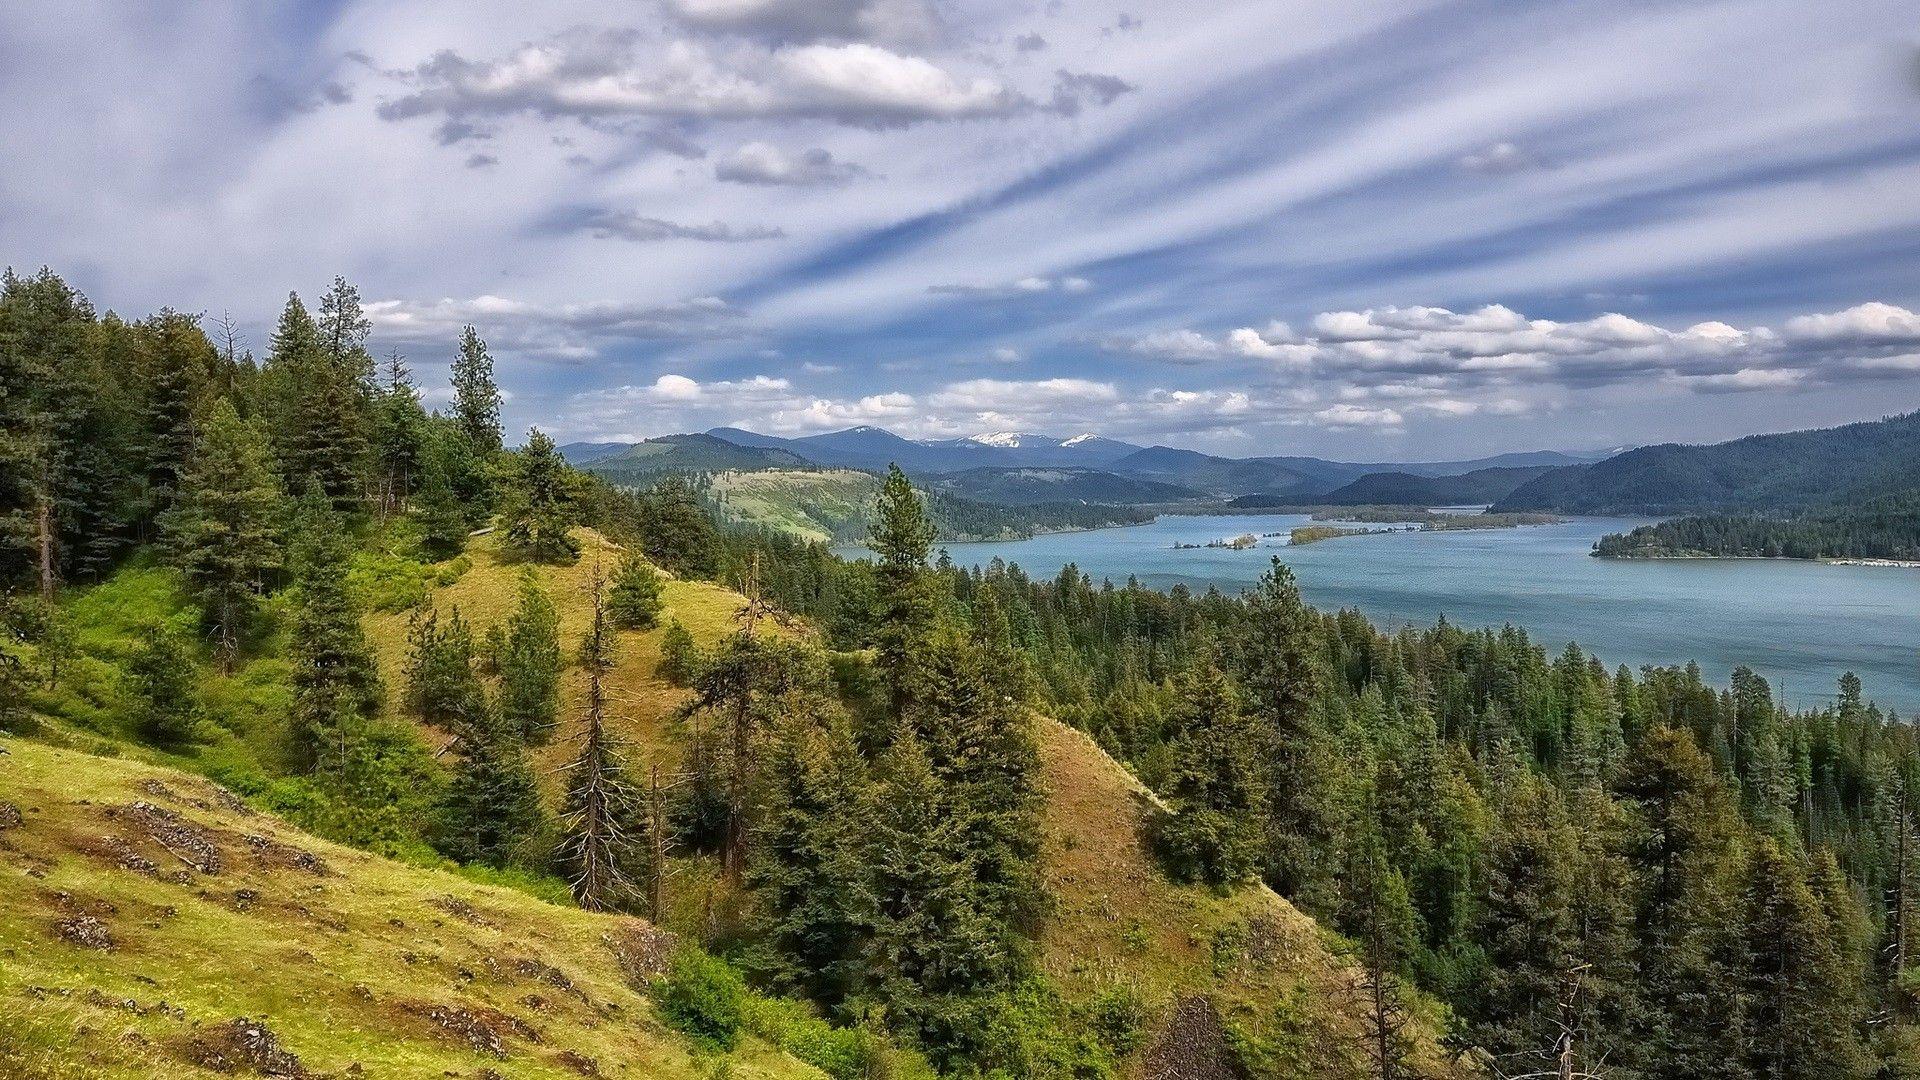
1799, 624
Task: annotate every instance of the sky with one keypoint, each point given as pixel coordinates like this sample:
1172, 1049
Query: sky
1368, 230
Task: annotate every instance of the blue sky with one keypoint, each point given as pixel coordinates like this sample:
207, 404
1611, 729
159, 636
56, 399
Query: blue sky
1369, 230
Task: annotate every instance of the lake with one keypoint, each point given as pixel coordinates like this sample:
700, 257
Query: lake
1799, 624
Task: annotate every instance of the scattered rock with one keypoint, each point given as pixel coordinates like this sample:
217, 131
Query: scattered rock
116, 850
483, 1029
528, 968
158, 790
1193, 1047
642, 950
459, 909
181, 838
580, 1063
242, 1045
9, 816
273, 853
85, 931
244, 899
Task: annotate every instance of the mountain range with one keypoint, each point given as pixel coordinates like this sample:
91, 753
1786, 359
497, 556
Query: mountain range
1024, 467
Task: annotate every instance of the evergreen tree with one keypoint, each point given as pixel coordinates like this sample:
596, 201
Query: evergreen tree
679, 656
175, 364
932, 948
902, 539
320, 431
810, 867
1526, 927
334, 674
603, 819
443, 688
223, 532
634, 601
529, 664
1377, 909
342, 329
444, 521
538, 509
399, 438
476, 400
491, 808
1800, 1023
160, 684
1213, 787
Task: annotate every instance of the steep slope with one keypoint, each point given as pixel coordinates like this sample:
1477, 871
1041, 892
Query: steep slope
1789, 471
153, 926
1247, 957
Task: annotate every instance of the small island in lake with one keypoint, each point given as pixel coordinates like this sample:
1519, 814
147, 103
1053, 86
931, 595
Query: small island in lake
1237, 543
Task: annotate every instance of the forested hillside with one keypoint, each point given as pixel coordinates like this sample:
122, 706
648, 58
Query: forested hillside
1830, 467
904, 816
1882, 528
1405, 489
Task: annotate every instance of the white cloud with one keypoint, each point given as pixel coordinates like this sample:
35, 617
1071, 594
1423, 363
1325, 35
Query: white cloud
1378, 349
605, 74
553, 331
1500, 157
766, 164
1344, 415
1031, 285
639, 228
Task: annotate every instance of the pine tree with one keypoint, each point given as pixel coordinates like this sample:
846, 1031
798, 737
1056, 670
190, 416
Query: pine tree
343, 327
1380, 915
491, 808
176, 364
809, 872
320, 429
223, 532
529, 664
634, 601
1801, 1022
902, 539
538, 509
1213, 787
333, 667
679, 657
931, 946
603, 818
1526, 926
1283, 680
476, 400
399, 438
443, 689
444, 521
160, 682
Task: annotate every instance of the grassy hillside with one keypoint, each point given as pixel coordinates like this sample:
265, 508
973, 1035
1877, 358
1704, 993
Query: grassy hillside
145, 911
410, 971
642, 462
1116, 921
834, 506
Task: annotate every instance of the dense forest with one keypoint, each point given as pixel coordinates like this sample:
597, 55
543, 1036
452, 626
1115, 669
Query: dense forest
1795, 470
1883, 528
1595, 872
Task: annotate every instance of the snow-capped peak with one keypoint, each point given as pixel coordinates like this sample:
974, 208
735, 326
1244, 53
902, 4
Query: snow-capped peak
1083, 437
1010, 440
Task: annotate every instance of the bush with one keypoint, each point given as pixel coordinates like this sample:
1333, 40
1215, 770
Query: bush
702, 996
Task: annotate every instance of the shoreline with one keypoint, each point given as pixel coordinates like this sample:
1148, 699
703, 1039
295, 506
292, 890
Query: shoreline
1898, 564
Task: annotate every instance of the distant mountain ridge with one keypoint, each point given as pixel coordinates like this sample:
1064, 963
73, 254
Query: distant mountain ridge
1027, 468
1789, 471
